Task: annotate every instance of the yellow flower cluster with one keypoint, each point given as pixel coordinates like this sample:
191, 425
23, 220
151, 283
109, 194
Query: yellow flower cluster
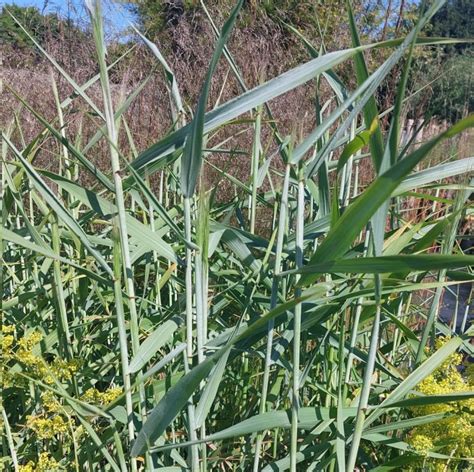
28, 342
59, 369
421, 443
453, 435
47, 428
24, 346
45, 371
92, 395
7, 339
50, 402
45, 464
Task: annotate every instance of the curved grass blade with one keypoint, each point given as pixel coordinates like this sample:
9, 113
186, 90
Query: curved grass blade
142, 235
153, 343
246, 102
389, 264
441, 171
406, 386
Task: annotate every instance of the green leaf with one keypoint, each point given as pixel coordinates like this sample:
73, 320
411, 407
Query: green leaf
408, 423
159, 208
210, 390
174, 400
104, 180
359, 100
153, 343
246, 102
400, 445
140, 234
361, 140
170, 77
177, 396
389, 264
431, 400
435, 173
15, 238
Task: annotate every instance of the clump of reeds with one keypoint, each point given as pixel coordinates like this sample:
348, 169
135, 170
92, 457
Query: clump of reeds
154, 327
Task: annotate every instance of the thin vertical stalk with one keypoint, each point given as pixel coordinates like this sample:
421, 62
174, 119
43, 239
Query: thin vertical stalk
465, 316
65, 338
255, 164
297, 325
396, 334
120, 454
355, 323
188, 281
194, 454
455, 319
156, 262
341, 396
355, 190
122, 330
115, 164
189, 329
282, 222
96, 17
199, 310
62, 129
202, 271
345, 190
64, 154
364, 395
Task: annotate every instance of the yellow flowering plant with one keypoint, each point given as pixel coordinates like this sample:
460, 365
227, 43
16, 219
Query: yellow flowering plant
47, 428
51, 420
92, 395
45, 463
453, 435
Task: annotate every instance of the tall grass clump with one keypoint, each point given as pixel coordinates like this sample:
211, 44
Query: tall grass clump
149, 324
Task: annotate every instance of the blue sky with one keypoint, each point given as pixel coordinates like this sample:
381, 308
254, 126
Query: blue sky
116, 16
